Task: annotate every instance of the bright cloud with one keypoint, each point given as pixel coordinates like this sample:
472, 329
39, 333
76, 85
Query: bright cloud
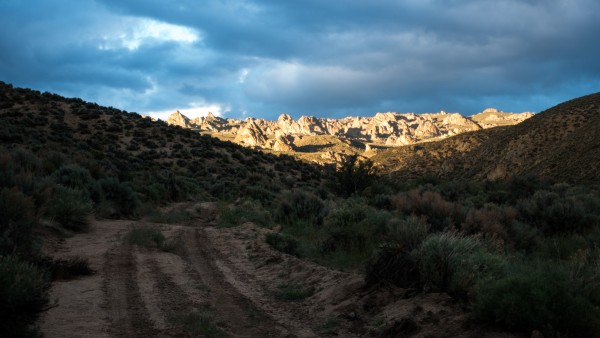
325, 58
132, 32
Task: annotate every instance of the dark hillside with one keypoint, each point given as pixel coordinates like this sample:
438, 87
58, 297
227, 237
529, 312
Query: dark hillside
560, 143
160, 161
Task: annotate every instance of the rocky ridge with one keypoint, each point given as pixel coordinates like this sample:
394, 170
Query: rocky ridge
380, 131
560, 143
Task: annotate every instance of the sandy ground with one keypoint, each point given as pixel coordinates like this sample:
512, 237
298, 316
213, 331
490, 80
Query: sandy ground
234, 277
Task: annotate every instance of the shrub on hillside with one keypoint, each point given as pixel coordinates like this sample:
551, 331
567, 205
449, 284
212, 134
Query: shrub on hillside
299, 206
440, 213
123, 198
23, 296
353, 175
69, 207
352, 233
534, 297
491, 221
407, 233
231, 216
524, 186
76, 177
553, 213
455, 263
17, 219
146, 237
284, 243
393, 265
524, 236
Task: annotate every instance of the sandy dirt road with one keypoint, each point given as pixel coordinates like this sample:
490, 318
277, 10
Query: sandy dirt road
228, 280
141, 292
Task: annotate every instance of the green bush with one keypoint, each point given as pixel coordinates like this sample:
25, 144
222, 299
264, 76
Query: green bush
284, 243
524, 236
407, 233
299, 206
23, 296
353, 175
75, 177
538, 297
348, 214
393, 265
247, 212
440, 214
17, 220
146, 237
69, 207
170, 217
351, 234
553, 213
123, 198
454, 263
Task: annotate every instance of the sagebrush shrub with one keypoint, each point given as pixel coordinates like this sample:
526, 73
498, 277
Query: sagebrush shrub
124, 199
538, 297
284, 243
553, 213
491, 221
441, 214
231, 216
299, 206
455, 263
146, 237
76, 177
17, 220
393, 265
407, 233
69, 207
23, 295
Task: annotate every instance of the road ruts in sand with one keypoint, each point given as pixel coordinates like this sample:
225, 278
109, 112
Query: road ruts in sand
241, 317
127, 314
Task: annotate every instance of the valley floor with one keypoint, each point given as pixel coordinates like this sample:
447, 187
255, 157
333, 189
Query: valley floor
226, 282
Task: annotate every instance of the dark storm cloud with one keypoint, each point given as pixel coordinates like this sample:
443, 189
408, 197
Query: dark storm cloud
305, 57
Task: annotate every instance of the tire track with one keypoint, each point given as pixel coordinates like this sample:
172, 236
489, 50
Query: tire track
238, 313
124, 305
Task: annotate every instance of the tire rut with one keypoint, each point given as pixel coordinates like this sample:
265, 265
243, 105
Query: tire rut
126, 311
241, 317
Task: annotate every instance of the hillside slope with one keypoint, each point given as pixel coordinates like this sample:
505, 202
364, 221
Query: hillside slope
147, 154
561, 143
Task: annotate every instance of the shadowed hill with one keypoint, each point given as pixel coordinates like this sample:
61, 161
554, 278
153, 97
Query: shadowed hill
561, 143
175, 162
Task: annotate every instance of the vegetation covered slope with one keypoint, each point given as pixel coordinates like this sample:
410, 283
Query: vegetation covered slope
561, 143
161, 162
62, 161
524, 243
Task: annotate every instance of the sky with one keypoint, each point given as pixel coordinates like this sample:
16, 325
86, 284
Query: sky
312, 57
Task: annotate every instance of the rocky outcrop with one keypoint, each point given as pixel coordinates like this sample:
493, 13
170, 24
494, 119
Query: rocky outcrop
251, 135
492, 117
282, 143
426, 130
178, 119
384, 129
310, 125
287, 125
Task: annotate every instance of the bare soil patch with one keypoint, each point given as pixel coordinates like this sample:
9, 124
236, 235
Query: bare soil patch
234, 279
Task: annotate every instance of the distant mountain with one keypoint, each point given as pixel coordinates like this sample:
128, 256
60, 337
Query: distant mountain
561, 143
332, 138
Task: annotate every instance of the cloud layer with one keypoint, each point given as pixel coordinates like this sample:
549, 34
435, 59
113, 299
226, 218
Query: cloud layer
325, 58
